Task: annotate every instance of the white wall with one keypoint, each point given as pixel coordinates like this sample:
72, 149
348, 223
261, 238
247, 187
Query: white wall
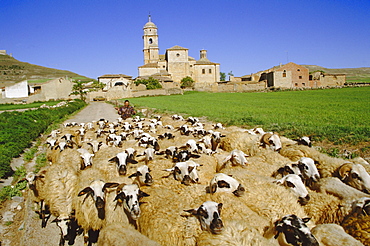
18, 90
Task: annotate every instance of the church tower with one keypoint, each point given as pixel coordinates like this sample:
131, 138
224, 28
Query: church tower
151, 50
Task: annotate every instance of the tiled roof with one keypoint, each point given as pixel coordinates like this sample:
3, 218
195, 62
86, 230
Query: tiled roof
115, 76
176, 47
205, 61
150, 65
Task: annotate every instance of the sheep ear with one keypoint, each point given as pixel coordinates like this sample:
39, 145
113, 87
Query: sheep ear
195, 156
110, 185
132, 161
87, 190
135, 175
143, 194
290, 184
219, 207
213, 188
56, 220
190, 169
120, 197
191, 211
114, 159
305, 220
119, 188
345, 170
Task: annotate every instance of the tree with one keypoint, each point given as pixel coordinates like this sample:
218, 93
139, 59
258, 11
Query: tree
150, 83
222, 76
230, 73
79, 89
187, 82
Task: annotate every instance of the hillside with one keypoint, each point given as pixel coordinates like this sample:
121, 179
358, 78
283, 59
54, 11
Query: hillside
361, 74
12, 71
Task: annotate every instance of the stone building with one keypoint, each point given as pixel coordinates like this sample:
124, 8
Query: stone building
291, 76
111, 80
176, 63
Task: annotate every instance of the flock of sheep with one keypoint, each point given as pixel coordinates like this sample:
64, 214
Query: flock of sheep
174, 181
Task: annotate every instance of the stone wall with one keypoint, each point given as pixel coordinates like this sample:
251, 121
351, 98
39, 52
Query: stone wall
17, 90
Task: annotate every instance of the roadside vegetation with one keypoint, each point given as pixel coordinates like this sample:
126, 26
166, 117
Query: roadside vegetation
12, 106
340, 116
150, 83
19, 129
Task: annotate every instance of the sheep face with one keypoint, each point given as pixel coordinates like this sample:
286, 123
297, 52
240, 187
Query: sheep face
294, 183
361, 207
97, 191
143, 175
122, 159
305, 141
308, 169
209, 216
237, 158
224, 183
275, 143
184, 155
356, 176
130, 195
186, 172
87, 159
292, 230
64, 223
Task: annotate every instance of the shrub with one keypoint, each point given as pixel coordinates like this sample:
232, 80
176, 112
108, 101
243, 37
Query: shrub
187, 82
150, 83
19, 129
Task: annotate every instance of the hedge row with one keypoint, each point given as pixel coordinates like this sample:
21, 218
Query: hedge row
19, 129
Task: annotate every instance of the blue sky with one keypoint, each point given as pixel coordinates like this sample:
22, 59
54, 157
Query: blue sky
96, 37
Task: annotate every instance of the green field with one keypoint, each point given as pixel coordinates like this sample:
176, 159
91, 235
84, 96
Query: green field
338, 115
9, 106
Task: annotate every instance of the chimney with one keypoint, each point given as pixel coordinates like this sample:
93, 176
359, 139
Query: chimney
203, 54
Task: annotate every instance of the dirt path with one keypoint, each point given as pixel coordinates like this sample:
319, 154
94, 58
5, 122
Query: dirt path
95, 111
26, 226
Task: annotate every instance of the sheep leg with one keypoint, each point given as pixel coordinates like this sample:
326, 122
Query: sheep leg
42, 214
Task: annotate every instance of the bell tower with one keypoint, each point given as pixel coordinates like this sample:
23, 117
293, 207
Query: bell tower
150, 37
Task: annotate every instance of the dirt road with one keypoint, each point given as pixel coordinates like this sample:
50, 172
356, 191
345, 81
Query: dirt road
25, 228
95, 111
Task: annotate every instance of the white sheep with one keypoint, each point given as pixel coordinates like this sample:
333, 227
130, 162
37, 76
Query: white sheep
333, 235
119, 234
90, 200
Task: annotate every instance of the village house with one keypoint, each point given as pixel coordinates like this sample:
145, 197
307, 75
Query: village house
292, 76
176, 63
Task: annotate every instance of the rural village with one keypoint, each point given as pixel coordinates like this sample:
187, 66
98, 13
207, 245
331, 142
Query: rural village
159, 177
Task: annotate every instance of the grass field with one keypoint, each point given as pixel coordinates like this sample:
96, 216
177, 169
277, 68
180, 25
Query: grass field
338, 115
23, 106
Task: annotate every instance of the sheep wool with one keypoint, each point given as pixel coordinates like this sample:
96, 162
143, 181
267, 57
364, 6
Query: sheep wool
333, 235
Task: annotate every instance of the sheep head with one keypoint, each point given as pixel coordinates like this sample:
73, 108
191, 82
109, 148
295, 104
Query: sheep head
356, 176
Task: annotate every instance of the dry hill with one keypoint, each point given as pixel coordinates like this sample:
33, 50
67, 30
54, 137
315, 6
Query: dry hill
12, 71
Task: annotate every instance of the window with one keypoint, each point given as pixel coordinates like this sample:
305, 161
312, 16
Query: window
210, 70
303, 84
298, 69
300, 77
284, 75
191, 65
296, 84
177, 54
150, 41
164, 66
203, 71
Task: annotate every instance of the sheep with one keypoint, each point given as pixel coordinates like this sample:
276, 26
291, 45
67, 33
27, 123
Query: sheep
287, 169
357, 223
332, 202
305, 141
36, 183
355, 175
216, 139
51, 142
333, 235
272, 140
60, 185
224, 183
90, 200
209, 216
119, 234
148, 154
129, 195
240, 140
95, 144
218, 126
86, 157
292, 230
143, 176
54, 134
295, 184
236, 232
236, 157
122, 160
309, 171
186, 172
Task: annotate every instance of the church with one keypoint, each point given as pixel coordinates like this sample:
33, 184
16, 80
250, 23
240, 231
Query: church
175, 64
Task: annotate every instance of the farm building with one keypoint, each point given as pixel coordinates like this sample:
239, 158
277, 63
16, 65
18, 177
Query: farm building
292, 75
111, 80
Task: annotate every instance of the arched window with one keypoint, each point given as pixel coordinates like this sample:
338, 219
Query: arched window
150, 41
284, 73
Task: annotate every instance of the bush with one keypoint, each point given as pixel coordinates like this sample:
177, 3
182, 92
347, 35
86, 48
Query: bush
19, 129
150, 83
187, 82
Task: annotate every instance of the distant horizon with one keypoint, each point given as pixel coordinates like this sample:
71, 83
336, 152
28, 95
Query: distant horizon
244, 37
